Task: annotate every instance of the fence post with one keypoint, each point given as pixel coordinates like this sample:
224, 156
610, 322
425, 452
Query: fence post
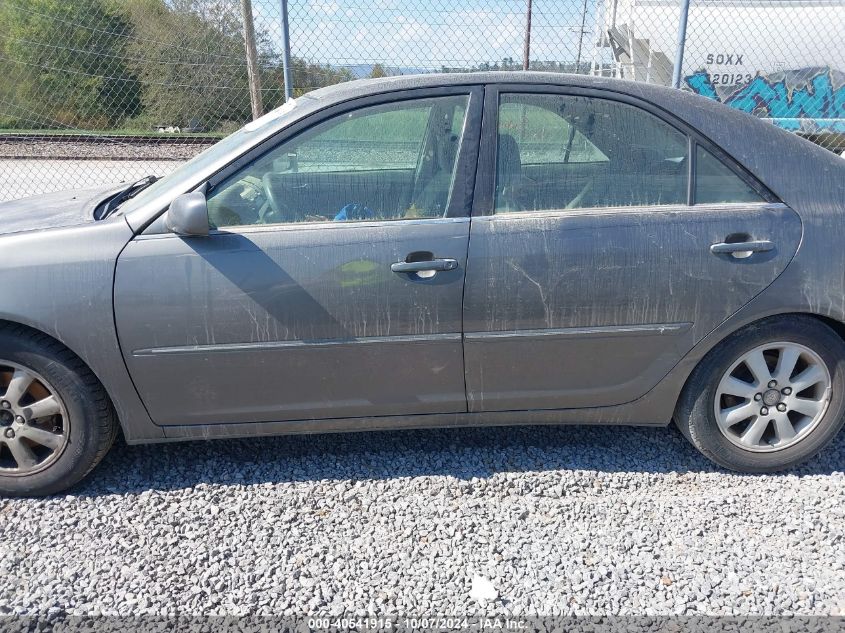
682, 39
286, 63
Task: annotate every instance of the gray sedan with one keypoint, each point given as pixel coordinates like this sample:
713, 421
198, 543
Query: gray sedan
441, 250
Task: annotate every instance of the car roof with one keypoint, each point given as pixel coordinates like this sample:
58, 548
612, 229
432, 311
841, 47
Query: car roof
363, 87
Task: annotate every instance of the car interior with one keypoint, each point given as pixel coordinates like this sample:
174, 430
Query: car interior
380, 163
563, 152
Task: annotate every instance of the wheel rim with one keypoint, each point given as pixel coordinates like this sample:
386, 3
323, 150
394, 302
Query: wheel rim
772, 397
34, 426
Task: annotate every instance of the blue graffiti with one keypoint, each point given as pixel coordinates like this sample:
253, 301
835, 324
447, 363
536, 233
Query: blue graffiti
700, 84
816, 103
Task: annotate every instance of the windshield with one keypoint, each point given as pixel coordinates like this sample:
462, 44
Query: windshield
209, 156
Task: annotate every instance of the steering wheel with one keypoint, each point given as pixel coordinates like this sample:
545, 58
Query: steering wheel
575, 203
277, 210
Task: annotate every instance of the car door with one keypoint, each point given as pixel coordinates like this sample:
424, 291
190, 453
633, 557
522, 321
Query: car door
330, 285
591, 268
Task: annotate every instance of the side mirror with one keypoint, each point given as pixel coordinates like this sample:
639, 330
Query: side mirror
188, 215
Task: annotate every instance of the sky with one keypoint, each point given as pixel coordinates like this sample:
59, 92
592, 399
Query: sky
427, 34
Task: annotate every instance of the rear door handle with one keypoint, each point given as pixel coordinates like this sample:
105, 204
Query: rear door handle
739, 249
434, 265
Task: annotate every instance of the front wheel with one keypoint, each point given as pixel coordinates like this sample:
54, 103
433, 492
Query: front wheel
56, 422
767, 398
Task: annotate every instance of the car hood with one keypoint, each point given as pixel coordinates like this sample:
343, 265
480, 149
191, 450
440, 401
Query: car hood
52, 210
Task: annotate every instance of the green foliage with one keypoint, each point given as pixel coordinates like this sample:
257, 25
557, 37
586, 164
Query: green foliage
307, 75
105, 64
189, 60
63, 71
378, 71
508, 63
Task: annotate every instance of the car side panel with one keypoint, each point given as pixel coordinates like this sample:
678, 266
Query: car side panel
60, 282
293, 321
593, 308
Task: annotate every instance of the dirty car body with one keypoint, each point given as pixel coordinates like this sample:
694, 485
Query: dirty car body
536, 265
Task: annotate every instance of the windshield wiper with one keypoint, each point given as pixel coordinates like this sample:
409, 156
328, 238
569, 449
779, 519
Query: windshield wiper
122, 196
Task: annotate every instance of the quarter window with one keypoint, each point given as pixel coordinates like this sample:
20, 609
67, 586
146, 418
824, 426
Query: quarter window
385, 162
715, 183
568, 152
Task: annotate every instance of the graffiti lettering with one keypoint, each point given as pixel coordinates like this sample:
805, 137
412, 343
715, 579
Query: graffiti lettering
815, 104
730, 79
724, 59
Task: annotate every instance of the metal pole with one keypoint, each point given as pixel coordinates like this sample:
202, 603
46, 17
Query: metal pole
526, 51
682, 38
581, 37
252, 60
286, 63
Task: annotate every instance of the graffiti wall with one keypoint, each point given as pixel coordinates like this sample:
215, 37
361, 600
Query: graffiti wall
809, 100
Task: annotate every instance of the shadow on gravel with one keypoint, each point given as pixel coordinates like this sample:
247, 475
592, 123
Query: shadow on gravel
461, 453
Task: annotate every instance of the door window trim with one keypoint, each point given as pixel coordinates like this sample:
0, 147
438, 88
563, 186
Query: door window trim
462, 185
465, 167
460, 196
329, 225
485, 180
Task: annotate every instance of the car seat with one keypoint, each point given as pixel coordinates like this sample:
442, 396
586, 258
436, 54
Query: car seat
512, 191
432, 199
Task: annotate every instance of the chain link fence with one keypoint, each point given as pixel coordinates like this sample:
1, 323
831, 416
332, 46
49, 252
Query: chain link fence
99, 91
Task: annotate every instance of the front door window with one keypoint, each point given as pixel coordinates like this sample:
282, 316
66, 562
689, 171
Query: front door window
386, 162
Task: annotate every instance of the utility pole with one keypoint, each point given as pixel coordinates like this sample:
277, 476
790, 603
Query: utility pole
526, 51
581, 37
252, 60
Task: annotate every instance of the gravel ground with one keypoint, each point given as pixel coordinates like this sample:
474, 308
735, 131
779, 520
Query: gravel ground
521, 521
159, 149
32, 167
21, 178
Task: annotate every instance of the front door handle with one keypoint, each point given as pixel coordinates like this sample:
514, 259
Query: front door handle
430, 265
741, 250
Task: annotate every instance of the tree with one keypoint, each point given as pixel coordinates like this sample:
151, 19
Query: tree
378, 71
66, 66
308, 76
99, 64
189, 58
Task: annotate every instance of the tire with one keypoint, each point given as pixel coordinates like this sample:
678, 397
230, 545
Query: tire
698, 413
83, 430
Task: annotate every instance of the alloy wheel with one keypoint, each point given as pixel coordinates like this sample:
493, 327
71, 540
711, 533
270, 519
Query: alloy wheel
772, 396
34, 426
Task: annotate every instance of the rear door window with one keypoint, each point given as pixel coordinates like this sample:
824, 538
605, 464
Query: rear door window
573, 152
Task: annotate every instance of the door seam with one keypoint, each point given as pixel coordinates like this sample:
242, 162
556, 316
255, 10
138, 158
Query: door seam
475, 180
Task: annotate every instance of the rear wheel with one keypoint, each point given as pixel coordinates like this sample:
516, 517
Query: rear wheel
767, 398
56, 422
